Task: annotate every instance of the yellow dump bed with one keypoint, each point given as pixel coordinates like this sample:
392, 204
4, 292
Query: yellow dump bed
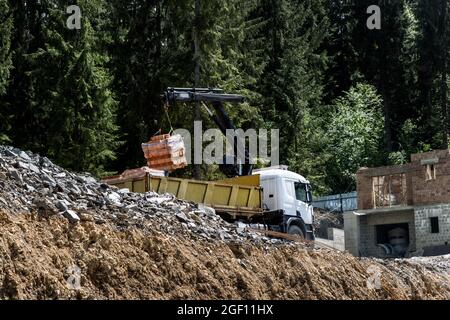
235, 198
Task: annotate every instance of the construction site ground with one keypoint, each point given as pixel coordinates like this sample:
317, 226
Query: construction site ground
156, 247
37, 256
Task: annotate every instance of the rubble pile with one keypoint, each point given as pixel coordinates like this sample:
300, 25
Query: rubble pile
438, 264
31, 183
325, 219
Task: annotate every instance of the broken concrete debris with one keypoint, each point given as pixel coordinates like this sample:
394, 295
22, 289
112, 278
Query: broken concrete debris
71, 216
31, 183
63, 205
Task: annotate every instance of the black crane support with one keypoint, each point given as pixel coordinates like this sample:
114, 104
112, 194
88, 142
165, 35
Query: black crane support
216, 97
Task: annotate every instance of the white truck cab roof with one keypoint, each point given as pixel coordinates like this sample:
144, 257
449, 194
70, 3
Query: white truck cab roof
279, 171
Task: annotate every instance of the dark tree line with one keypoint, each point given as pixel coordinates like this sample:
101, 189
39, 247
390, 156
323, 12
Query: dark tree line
343, 96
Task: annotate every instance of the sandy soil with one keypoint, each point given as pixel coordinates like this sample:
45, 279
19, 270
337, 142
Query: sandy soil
38, 256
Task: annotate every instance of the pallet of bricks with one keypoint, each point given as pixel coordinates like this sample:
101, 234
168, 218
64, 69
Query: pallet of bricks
165, 152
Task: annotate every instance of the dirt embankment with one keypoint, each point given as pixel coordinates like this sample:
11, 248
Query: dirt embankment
38, 256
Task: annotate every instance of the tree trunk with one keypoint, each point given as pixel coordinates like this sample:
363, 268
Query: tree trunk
444, 87
197, 167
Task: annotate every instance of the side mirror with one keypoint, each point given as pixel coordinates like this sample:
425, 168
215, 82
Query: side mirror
309, 189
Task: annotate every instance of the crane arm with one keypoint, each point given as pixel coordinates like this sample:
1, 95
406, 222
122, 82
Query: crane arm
216, 97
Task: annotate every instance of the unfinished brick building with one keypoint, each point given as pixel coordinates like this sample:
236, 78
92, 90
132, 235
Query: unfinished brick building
403, 210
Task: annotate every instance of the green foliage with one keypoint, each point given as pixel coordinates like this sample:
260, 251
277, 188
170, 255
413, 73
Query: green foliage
291, 80
5, 43
397, 157
140, 57
354, 136
5, 64
82, 130
68, 111
152, 49
433, 47
307, 67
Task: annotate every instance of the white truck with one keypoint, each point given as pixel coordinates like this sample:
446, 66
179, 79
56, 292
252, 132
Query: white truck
273, 198
287, 201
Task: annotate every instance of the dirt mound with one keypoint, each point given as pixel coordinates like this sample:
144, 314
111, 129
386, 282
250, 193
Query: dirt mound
43, 258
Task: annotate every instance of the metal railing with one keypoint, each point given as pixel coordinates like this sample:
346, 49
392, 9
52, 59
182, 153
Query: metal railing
337, 202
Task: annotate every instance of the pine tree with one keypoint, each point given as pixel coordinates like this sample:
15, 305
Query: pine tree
444, 28
5, 44
428, 46
343, 70
291, 80
83, 114
59, 99
5, 63
138, 68
434, 48
380, 53
81, 108
18, 101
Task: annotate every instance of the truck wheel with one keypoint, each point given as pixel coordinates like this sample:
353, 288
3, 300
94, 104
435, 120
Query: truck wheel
296, 231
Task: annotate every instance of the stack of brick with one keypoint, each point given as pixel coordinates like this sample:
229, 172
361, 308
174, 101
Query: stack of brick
165, 152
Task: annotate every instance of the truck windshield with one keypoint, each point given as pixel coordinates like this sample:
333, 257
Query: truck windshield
303, 192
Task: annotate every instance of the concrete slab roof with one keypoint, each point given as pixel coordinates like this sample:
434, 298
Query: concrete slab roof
393, 209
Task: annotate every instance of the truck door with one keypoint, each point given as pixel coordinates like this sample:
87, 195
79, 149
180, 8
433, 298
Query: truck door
304, 199
289, 202
270, 195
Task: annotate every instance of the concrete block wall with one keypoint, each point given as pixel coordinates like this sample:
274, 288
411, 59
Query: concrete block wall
339, 239
433, 191
368, 236
361, 237
422, 215
351, 233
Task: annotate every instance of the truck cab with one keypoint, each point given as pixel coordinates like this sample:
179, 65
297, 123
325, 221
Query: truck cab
287, 201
